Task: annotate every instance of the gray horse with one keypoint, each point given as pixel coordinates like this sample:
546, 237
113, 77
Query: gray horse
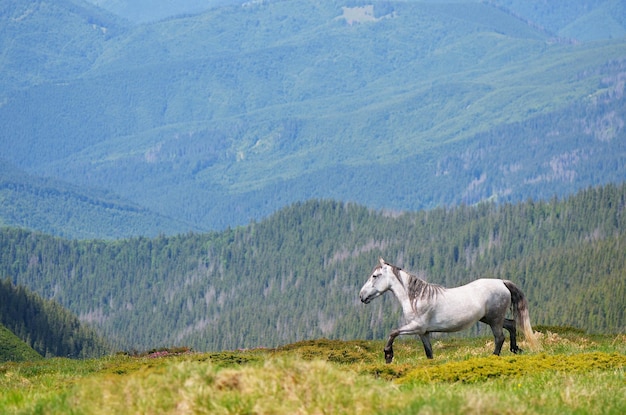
432, 308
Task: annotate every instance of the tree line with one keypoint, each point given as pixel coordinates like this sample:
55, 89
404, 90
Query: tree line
296, 274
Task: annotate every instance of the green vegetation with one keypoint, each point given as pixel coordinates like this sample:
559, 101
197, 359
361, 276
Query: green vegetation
45, 325
481, 369
14, 349
296, 275
141, 11
573, 373
69, 211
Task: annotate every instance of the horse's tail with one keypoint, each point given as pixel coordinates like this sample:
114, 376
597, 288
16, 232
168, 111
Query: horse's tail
519, 306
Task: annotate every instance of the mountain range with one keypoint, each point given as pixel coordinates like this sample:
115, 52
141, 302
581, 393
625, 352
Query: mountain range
118, 122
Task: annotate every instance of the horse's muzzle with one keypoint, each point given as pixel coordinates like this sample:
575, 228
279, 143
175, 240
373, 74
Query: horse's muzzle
365, 300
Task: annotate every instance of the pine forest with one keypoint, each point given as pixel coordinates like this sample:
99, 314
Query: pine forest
296, 274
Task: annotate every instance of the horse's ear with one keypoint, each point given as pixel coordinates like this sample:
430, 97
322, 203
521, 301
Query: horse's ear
381, 260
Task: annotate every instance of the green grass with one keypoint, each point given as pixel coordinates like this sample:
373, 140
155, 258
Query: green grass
573, 373
14, 349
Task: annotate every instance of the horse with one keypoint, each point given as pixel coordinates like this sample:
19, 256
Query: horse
430, 308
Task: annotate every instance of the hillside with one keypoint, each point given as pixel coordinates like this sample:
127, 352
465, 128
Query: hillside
141, 11
51, 42
296, 275
582, 21
62, 209
46, 328
13, 349
224, 117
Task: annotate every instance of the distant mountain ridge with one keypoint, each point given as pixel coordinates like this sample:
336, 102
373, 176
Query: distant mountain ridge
578, 21
51, 41
223, 117
142, 11
62, 209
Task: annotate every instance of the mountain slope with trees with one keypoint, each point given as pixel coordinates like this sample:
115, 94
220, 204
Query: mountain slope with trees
223, 117
296, 275
142, 11
13, 349
51, 42
44, 325
58, 208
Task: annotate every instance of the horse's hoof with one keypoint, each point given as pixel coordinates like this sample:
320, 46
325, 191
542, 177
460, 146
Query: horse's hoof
517, 350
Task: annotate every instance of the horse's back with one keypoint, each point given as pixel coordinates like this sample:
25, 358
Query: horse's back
484, 287
460, 307
495, 295
486, 294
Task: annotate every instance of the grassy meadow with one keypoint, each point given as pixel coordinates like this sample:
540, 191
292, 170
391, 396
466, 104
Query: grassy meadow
572, 373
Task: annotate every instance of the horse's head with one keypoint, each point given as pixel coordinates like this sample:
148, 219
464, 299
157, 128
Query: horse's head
378, 282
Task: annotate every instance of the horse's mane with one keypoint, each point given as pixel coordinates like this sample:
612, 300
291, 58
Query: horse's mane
417, 288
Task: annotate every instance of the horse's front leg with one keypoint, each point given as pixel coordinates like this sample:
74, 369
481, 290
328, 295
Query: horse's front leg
389, 346
411, 328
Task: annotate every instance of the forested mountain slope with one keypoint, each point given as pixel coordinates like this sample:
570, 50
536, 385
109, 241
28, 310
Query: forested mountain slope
582, 21
141, 11
59, 208
296, 275
13, 349
51, 42
45, 326
226, 116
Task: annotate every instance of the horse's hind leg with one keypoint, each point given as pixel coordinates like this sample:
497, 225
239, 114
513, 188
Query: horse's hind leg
427, 347
498, 336
510, 326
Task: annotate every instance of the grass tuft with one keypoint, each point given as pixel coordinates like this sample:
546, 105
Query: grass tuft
484, 368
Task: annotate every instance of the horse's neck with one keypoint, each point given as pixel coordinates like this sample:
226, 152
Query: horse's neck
412, 289
401, 290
